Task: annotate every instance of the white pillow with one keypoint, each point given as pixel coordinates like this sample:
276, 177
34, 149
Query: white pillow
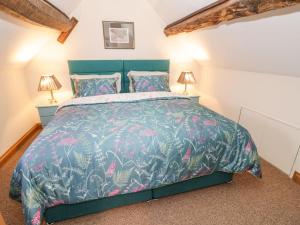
147, 73
97, 76
144, 73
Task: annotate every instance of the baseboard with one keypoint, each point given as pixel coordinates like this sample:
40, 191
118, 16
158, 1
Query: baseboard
296, 177
12, 150
2, 222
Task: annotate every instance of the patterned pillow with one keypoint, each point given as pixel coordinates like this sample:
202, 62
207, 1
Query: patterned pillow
143, 73
150, 83
97, 76
93, 87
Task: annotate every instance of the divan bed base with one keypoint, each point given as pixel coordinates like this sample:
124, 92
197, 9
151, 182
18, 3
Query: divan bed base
63, 212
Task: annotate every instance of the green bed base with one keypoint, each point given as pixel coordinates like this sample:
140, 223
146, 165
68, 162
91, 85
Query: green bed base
63, 212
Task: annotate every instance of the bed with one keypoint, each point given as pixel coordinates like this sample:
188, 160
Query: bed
103, 152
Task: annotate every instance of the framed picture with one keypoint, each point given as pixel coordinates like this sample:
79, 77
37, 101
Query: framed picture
118, 35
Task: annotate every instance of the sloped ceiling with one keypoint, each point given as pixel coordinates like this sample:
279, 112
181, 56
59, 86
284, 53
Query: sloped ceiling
67, 6
266, 43
172, 10
21, 41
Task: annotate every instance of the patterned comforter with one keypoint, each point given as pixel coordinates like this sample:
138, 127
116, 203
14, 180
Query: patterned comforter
115, 144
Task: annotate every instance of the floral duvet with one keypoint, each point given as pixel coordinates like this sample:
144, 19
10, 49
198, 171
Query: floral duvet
109, 145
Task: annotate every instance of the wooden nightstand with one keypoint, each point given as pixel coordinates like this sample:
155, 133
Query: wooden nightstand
195, 98
46, 112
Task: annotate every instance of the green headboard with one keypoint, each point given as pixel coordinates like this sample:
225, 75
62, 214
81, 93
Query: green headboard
106, 67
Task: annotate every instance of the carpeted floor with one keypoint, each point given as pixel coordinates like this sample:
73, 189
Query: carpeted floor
273, 200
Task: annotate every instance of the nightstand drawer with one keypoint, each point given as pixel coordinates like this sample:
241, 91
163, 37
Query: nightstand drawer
47, 111
45, 120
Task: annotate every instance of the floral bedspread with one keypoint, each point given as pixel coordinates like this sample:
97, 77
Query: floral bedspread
109, 145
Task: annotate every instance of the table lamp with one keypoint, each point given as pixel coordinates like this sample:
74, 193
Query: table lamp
49, 83
186, 77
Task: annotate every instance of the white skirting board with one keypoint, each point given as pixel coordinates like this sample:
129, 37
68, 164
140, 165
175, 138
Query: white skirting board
277, 141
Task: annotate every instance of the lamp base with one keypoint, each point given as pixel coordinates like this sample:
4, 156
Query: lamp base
185, 93
52, 100
185, 90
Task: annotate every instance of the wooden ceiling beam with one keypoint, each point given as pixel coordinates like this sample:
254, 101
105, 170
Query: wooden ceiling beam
225, 10
40, 12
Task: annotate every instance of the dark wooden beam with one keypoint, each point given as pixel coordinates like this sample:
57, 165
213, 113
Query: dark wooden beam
39, 12
225, 10
64, 35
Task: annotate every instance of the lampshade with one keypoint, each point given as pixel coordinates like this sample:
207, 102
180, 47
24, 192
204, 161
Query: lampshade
186, 77
49, 83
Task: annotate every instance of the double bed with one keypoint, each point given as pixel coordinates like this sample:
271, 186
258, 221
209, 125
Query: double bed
100, 152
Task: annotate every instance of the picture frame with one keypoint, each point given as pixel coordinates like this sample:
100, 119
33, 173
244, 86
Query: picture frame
118, 35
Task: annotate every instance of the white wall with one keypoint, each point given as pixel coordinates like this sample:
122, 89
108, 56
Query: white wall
16, 110
30, 51
67, 6
18, 43
265, 44
269, 44
273, 94
86, 42
277, 96
172, 10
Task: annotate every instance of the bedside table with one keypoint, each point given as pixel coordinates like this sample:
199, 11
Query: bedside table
195, 98
46, 112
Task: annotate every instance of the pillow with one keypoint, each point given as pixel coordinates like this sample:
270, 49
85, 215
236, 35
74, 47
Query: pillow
97, 76
143, 73
93, 87
147, 73
150, 83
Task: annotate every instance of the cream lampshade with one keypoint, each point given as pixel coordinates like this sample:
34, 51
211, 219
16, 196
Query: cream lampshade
49, 83
186, 77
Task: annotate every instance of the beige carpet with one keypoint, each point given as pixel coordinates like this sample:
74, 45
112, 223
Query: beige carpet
273, 200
